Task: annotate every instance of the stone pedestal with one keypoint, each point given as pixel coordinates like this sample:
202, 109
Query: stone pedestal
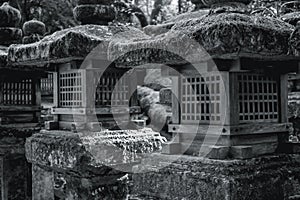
269, 177
86, 166
15, 171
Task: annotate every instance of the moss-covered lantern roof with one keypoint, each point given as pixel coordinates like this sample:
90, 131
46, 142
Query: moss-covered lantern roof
69, 44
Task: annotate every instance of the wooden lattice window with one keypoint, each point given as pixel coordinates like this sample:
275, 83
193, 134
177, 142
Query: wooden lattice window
111, 90
47, 85
201, 99
258, 98
70, 89
18, 92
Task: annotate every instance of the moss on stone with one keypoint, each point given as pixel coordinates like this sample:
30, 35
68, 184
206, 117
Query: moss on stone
10, 16
222, 35
34, 27
10, 35
76, 42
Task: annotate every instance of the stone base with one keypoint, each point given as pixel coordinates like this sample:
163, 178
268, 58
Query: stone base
269, 177
15, 175
50, 185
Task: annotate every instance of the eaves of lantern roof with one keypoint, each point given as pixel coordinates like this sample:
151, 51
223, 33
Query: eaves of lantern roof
71, 44
222, 35
291, 18
153, 30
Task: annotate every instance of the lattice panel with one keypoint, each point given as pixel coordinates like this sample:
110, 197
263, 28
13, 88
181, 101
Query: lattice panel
70, 89
201, 99
18, 92
258, 98
47, 85
105, 87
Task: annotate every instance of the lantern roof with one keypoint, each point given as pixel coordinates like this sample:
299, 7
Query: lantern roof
70, 44
224, 35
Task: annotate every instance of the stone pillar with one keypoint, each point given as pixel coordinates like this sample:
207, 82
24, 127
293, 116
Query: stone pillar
42, 183
14, 169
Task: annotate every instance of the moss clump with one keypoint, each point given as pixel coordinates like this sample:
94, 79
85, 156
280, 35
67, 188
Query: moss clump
10, 35
31, 39
10, 17
34, 27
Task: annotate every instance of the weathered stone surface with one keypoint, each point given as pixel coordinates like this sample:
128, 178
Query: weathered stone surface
294, 43
154, 30
165, 96
31, 39
291, 18
147, 97
14, 170
107, 187
34, 27
17, 132
10, 16
159, 29
159, 115
10, 35
76, 42
15, 176
222, 35
94, 14
42, 183
95, 152
156, 81
241, 152
270, 177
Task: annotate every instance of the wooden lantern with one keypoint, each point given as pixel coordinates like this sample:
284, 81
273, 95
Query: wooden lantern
235, 108
82, 94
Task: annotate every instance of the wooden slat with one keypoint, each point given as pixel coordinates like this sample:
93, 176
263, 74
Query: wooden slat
283, 98
55, 90
245, 129
20, 108
176, 97
98, 111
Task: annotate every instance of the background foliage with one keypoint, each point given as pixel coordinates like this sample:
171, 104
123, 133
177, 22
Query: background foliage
58, 14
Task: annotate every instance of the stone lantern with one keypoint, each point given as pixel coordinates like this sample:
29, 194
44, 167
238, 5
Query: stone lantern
83, 88
229, 106
77, 157
20, 102
237, 106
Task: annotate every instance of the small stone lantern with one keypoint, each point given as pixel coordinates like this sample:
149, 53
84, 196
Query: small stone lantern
74, 158
20, 101
236, 107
